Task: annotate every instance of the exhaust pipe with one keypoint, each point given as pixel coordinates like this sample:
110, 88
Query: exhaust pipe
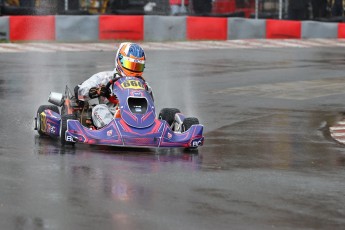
56, 98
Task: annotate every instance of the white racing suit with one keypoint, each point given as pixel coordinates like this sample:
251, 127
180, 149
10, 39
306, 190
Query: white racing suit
103, 113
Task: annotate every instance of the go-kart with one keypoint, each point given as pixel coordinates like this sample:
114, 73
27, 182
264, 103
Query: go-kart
137, 125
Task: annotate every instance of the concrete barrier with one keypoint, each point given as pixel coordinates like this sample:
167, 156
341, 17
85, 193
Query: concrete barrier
32, 28
89, 28
282, 29
312, 29
164, 28
4, 28
242, 28
76, 28
121, 27
341, 30
207, 28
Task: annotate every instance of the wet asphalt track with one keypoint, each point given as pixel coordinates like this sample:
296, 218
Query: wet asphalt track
266, 162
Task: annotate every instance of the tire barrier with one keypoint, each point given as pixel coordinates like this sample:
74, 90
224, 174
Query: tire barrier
90, 28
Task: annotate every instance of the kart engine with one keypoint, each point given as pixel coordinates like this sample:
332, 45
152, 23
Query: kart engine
85, 116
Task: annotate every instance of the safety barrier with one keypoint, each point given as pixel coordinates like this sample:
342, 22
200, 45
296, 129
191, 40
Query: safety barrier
283, 29
204, 28
89, 28
76, 28
34, 28
4, 28
121, 27
312, 29
158, 28
341, 30
242, 28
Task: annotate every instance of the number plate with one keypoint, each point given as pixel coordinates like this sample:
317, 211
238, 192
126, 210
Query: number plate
132, 84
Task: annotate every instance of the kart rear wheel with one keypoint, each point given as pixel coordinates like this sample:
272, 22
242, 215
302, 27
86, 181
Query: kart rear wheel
63, 128
188, 122
168, 114
53, 108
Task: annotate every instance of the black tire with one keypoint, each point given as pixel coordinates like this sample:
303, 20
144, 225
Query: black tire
188, 122
63, 128
168, 114
53, 108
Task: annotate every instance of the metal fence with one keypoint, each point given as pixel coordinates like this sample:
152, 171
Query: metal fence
323, 10
271, 9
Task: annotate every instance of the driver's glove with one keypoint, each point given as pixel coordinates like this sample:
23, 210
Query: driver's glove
95, 92
104, 91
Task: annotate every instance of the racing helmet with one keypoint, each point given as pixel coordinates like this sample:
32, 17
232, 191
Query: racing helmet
130, 60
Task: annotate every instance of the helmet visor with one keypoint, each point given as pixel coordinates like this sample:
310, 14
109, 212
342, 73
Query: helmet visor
133, 64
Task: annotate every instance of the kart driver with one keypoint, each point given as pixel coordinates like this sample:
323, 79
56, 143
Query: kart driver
129, 61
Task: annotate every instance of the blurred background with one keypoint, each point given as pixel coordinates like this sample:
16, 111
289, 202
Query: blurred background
320, 10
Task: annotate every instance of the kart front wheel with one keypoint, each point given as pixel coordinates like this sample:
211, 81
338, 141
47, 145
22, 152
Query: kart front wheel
188, 122
168, 114
41, 109
63, 128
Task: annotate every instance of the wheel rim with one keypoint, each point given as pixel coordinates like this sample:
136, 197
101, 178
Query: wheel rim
38, 122
60, 127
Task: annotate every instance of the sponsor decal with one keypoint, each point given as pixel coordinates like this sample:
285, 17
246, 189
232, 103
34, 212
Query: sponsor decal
197, 142
43, 122
69, 138
52, 129
169, 135
109, 133
137, 94
99, 118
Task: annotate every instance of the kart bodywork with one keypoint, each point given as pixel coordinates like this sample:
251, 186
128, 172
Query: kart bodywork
138, 125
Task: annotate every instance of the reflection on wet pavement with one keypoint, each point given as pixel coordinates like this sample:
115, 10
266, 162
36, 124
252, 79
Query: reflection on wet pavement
267, 161
285, 139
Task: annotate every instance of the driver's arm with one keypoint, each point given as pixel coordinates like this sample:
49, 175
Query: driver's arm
92, 87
